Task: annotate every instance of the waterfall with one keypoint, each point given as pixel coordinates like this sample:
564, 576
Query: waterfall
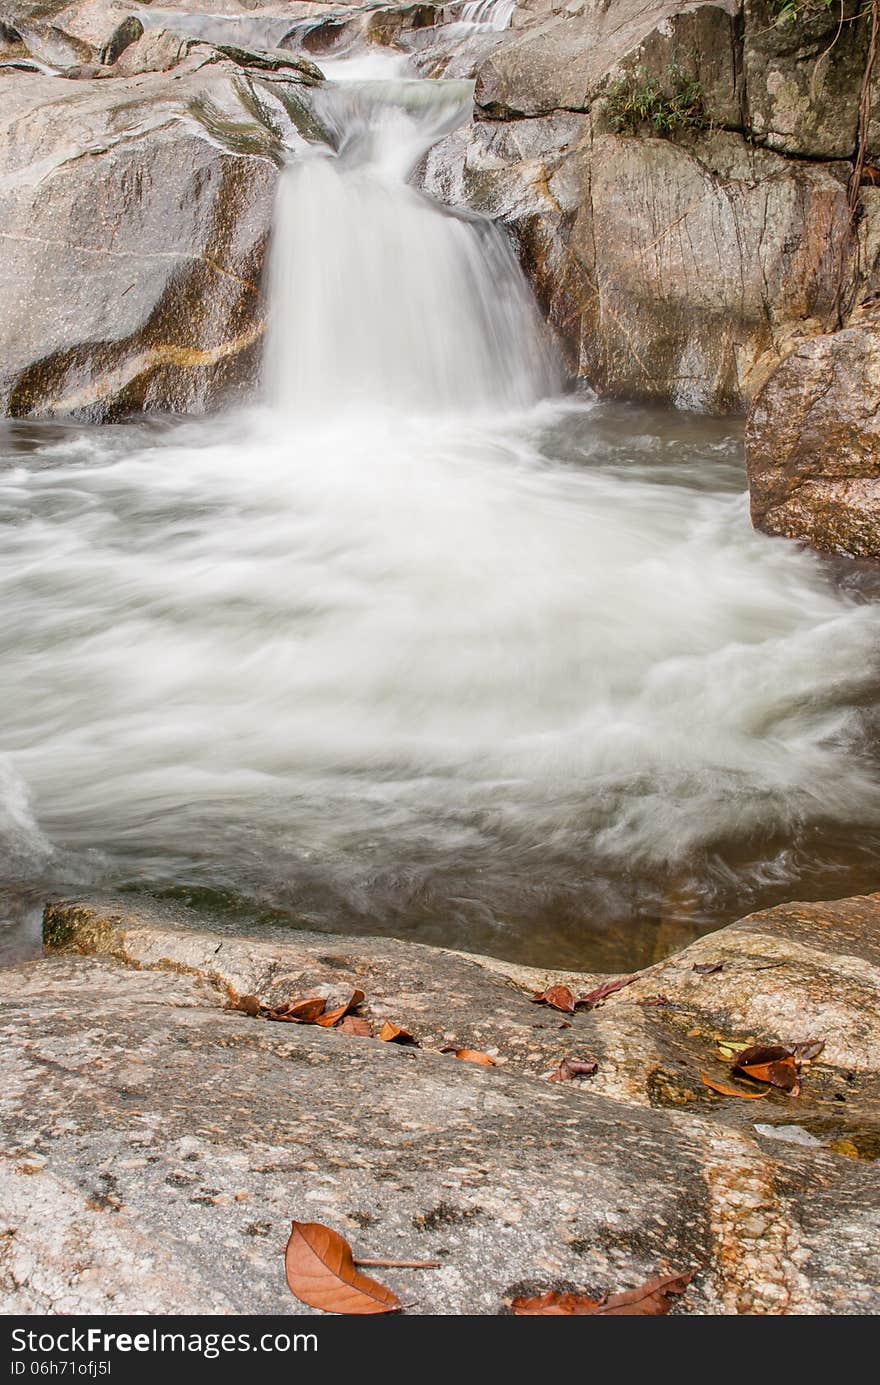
414, 648
488, 14
381, 298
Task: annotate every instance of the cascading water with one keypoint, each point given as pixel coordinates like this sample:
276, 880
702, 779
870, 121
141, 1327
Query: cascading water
380, 299
409, 651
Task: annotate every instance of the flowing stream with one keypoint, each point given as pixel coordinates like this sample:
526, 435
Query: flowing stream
420, 644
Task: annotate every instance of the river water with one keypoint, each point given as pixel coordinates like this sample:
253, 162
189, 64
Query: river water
421, 644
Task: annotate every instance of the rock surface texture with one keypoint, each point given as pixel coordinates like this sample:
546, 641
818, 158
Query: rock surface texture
170, 1138
813, 443
136, 204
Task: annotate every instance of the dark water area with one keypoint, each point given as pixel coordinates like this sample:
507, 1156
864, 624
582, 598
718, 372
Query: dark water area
525, 684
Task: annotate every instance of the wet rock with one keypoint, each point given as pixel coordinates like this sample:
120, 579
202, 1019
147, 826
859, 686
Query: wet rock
154, 1125
677, 270
134, 221
813, 443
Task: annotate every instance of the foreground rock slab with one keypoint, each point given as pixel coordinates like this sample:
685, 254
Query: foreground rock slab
159, 1142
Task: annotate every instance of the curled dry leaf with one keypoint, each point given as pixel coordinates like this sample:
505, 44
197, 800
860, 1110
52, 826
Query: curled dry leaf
772, 1063
393, 1034
807, 1050
607, 988
299, 1011
353, 1024
573, 1067
331, 1017
471, 1055
554, 1304
725, 1088
557, 997
321, 1273
707, 968
649, 1300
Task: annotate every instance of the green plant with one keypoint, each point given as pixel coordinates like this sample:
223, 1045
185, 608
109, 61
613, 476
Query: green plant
783, 10
638, 100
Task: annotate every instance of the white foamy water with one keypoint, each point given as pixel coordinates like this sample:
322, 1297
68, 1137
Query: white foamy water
380, 299
410, 650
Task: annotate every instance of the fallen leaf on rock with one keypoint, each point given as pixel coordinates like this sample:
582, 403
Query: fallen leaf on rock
557, 997
725, 1089
393, 1034
250, 1004
573, 1067
707, 968
471, 1055
299, 1011
554, 1303
321, 1273
607, 988
807, 1050
771, 1063
353, 1024
331, 1017
649, 1300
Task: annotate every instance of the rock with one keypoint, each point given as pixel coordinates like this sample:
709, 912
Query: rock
671, 270
157, 50
563, 62
804, 76
813, 443
131, 277
151, 1125
53, 48
128, 31
272, 60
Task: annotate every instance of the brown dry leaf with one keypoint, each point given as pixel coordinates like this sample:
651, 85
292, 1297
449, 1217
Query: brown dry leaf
707, 968
725, 1089
353, 1024
557, 997
471, 1055
554, 1303
771, 1063
649, 1300
322, 1274
299, 1011
250, 1004
394, 1034
573, 1067
607, 988
331, 1017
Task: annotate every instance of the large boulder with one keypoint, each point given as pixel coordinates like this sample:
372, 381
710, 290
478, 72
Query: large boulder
673, 270
134, 222
813, 443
